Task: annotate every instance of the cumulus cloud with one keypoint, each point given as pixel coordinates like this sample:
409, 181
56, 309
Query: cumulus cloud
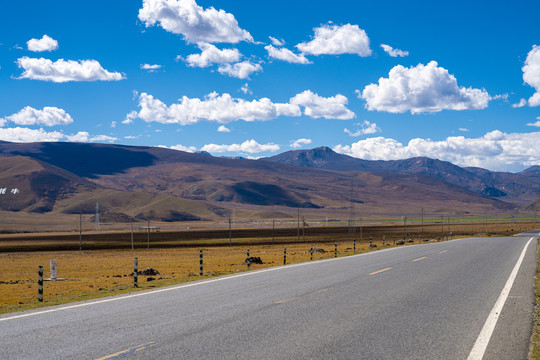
463, 129
245, 89
81, 136
334, 40
522, 102
367, 128
130, 117
46, 43
248, 146
299, 143
180, 147
103, 138
424, 88
276, 42
19, 134
210, 54
223, 129
240, 70
62, 71
317, 106
150, 68
531, 74
537, 124
394, 52
495, 150
196, 24
286, 55
48, 116
214, 107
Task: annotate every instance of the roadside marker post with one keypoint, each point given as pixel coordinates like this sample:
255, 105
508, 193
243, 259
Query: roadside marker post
311, 252
370, 241
135, 272
40, 283
354, 246
394, 240
335, 249
247, 259
383, 240
285, 256
54, 275
200, 262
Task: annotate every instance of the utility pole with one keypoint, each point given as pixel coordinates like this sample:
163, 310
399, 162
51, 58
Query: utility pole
273, 226
229, 219
131, 221
298, 227
80, 227
303, 224
422, 218
148, 233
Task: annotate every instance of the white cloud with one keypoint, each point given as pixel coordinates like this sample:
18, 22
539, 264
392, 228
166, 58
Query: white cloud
276, 42
113, 124
48, 116
81, 136
424, 88
286, 55
495, 150
223, 129
46, 43
130, 117
503, 97
210, 54
103, 138
299, 143
463, 129
63, 71
531, 74
192, 21
394, 52
19, 134
537, 124
317, 106
214, 107
131, 137
335, 40
522, 102
150, 68
248, 146
245, 89
180, 147
240, 70
367, 128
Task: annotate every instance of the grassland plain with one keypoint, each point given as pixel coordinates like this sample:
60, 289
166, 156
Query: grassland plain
92, 274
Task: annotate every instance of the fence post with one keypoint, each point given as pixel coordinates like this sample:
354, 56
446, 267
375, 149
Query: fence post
135, 272
335, 250
200, 262
247, 259
285, 256
383, 240
40, 283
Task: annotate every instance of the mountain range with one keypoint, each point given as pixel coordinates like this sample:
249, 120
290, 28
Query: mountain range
169, 185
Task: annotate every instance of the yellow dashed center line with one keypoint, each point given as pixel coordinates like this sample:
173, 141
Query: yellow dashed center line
380, 271
127, 352
300, 297
422, 258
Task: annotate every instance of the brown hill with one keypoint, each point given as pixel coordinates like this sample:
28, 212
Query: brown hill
35, 186
250, 185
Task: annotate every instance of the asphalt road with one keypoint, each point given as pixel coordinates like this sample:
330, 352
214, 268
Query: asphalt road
417, 302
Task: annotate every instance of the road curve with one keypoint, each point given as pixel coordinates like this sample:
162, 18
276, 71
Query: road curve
426, 301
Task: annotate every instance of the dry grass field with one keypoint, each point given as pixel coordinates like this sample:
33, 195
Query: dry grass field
91, 274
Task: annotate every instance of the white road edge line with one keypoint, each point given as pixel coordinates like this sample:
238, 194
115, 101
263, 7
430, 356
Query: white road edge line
480, 346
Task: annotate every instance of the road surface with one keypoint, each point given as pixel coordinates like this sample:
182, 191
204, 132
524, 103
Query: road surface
430, 301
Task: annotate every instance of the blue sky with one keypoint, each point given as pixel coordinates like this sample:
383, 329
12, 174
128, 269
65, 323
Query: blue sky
458, 81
